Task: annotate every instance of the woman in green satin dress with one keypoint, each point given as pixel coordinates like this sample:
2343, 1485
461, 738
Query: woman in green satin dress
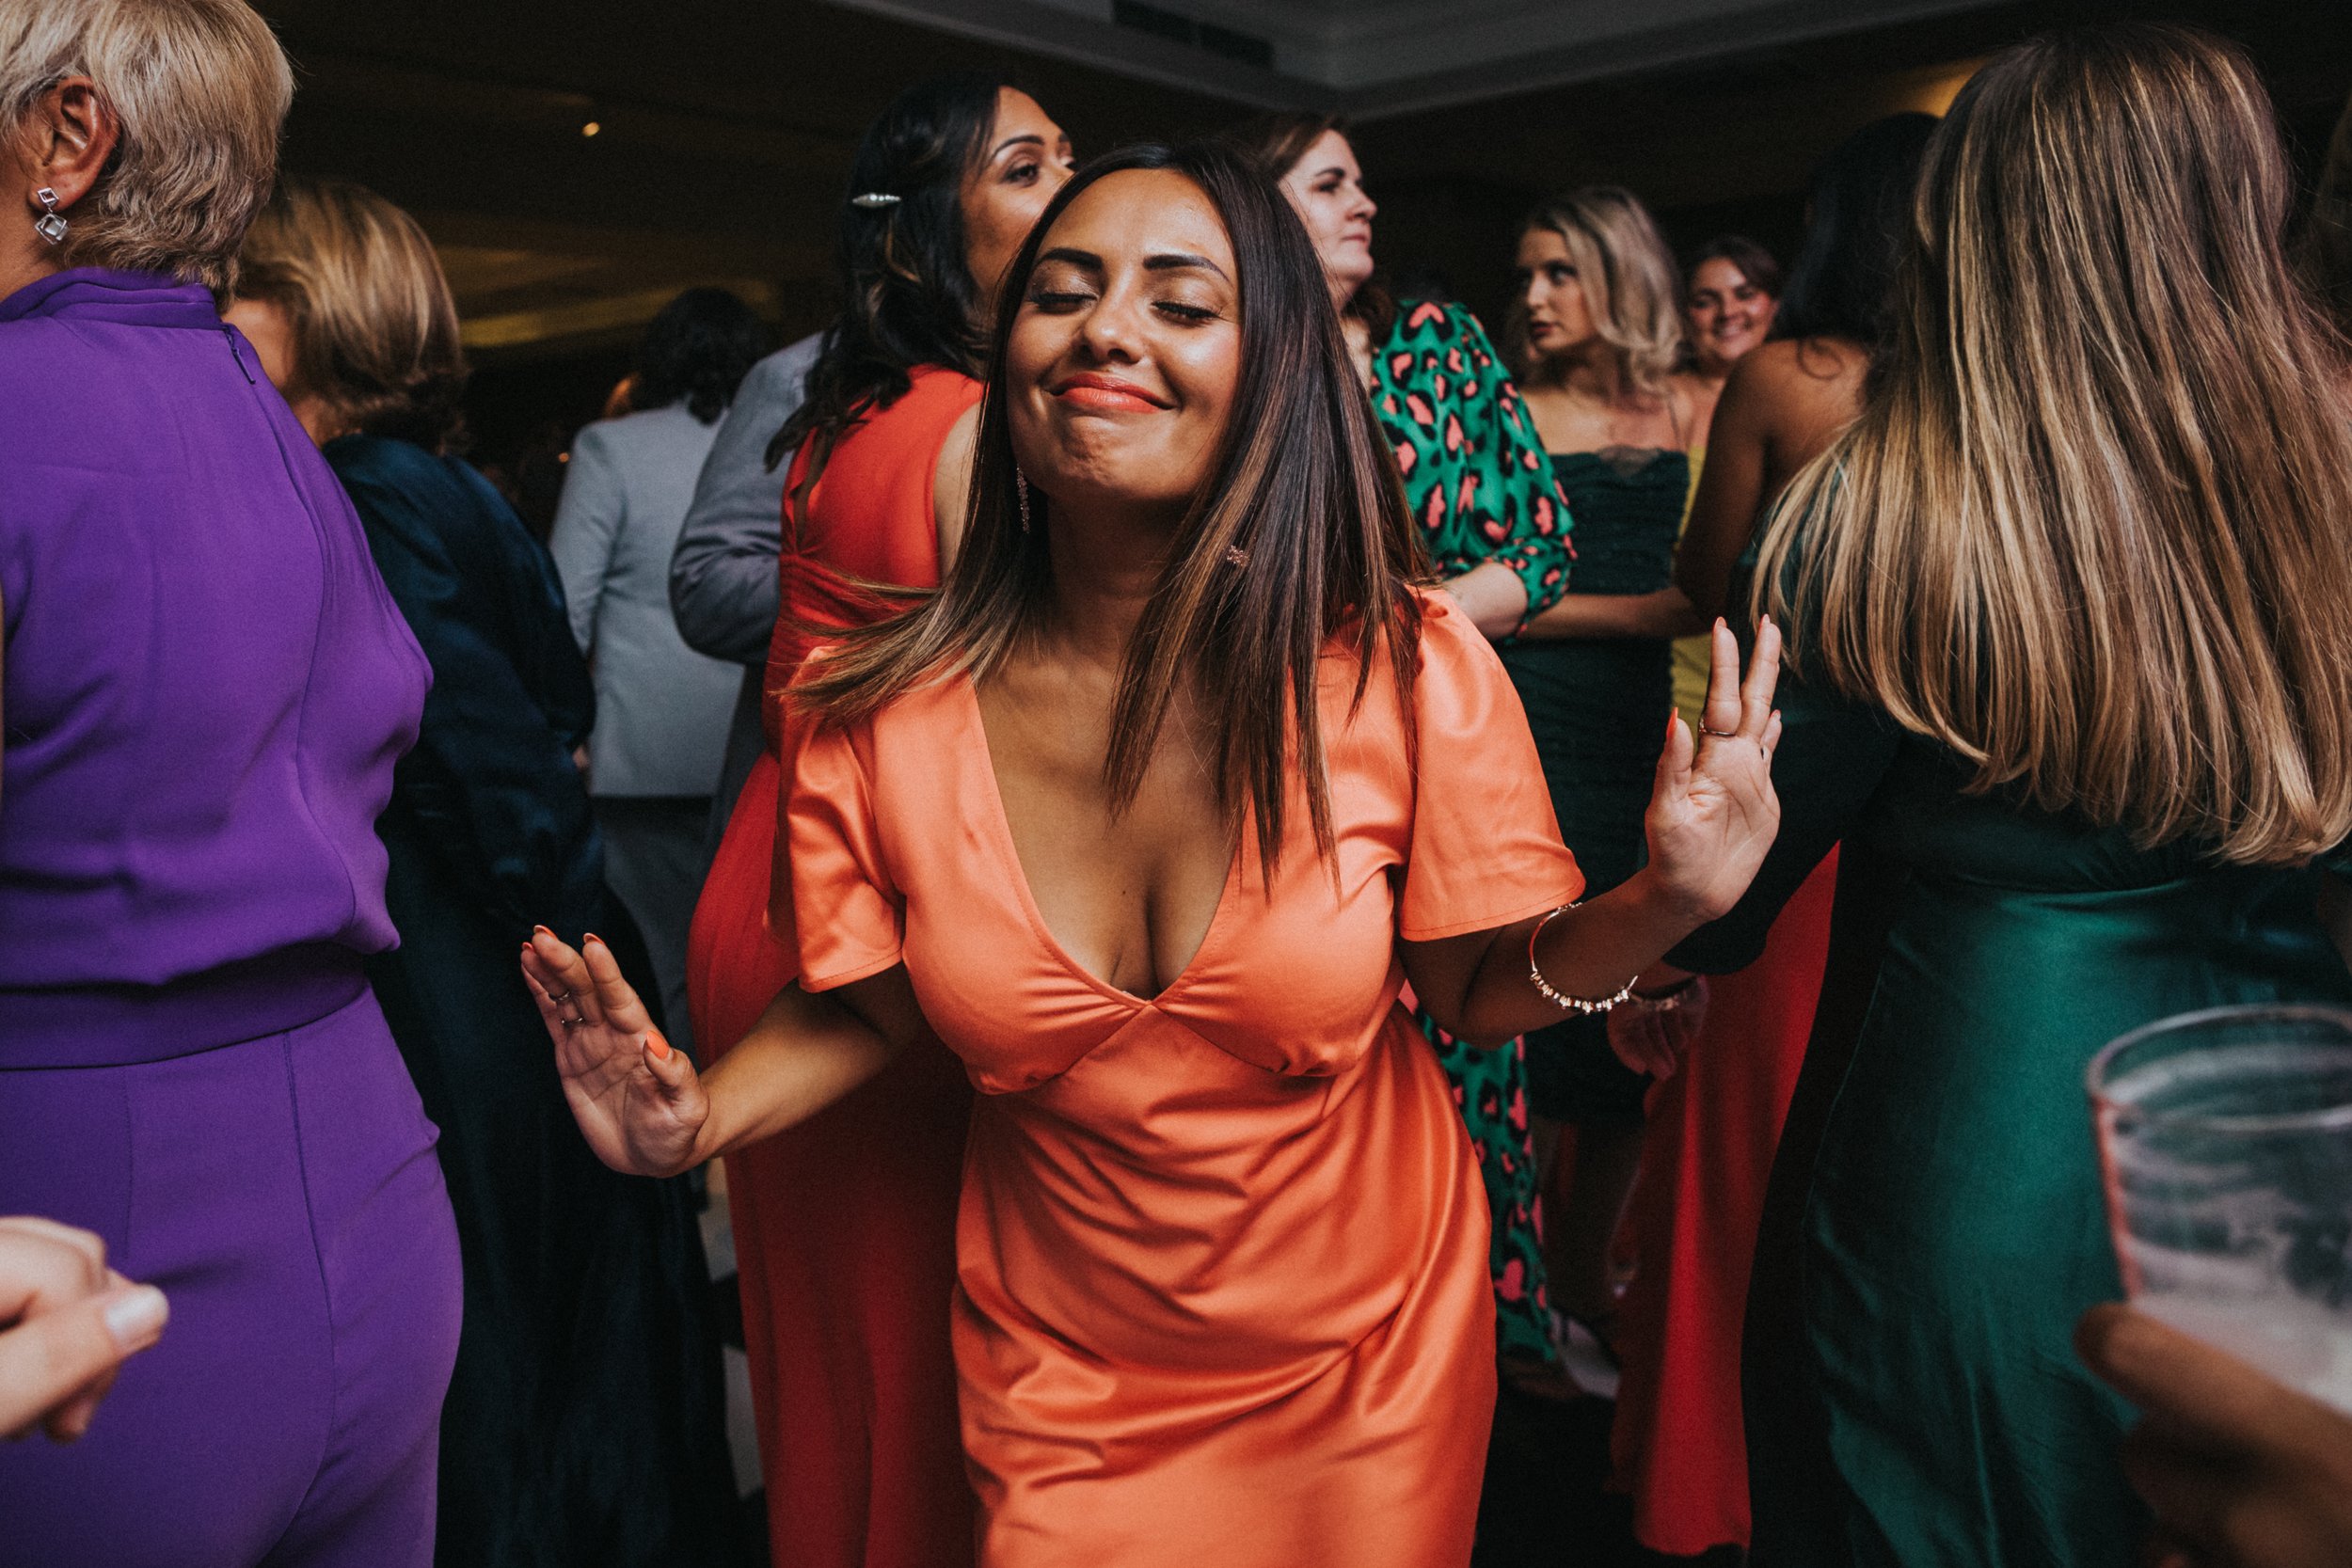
2077, 695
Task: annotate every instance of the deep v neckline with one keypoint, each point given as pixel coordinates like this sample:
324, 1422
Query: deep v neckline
1010, 847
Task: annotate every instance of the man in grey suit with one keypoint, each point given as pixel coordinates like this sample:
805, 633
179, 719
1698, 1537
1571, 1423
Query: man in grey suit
723, 575
662, 708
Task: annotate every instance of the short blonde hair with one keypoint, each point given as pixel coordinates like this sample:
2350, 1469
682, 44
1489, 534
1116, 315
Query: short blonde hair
1632, 285
374, 328
199, 89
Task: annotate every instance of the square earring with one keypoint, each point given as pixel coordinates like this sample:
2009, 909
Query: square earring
50, 224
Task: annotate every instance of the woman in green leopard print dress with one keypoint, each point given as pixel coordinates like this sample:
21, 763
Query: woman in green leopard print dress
1495, 525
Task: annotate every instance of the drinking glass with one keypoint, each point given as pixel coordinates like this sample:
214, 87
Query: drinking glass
2225, 1143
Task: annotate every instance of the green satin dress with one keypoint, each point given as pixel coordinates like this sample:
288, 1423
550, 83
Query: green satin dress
1935, 1225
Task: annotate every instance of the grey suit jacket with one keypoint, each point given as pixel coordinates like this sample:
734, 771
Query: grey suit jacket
723, 576
662, 710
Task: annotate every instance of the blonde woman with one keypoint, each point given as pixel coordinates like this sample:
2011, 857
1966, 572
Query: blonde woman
2068, 604
488, 831
206, 687
1598, 327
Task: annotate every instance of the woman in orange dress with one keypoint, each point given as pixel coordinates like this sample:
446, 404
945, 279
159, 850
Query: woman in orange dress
1148, 816
845, 1227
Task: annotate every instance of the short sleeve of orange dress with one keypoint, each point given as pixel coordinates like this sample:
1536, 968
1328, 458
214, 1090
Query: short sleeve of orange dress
1485, 847
833, 901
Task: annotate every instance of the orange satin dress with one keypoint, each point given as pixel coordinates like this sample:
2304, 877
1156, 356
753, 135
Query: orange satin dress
845, 1226
1221, 1258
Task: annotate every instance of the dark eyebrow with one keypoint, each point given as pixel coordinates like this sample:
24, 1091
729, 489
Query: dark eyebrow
1086, 258
1016, 141
1181, 262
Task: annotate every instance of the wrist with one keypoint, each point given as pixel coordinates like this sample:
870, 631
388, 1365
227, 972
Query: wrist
1666, 908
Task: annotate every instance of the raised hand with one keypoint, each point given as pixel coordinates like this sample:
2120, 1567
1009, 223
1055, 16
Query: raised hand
1713, 814
639, 1102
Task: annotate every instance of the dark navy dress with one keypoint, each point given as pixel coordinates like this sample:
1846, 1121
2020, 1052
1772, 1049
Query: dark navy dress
585, 1420
1598, 707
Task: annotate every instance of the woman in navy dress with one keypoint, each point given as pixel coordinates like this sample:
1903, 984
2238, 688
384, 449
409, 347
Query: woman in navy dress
585, 1421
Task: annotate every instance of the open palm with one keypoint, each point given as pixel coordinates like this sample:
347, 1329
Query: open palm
1712, 813
639, 1102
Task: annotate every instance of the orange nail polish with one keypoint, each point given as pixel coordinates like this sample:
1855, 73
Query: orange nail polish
659, 1049
592, 935
543, 930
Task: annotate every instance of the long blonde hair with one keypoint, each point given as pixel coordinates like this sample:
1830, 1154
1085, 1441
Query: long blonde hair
1632, 285
2093, 527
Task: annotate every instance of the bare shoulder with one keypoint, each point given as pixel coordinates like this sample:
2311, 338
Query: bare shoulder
1800, 366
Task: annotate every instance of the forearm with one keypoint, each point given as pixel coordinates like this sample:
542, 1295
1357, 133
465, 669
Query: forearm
1590, 951
724, 593
1666, 613
807, 1053
1492, 596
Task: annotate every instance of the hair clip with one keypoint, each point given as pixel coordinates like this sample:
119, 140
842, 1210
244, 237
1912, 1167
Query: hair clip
873, 200
1236, 556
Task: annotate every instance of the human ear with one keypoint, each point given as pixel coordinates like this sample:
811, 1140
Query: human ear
72, 135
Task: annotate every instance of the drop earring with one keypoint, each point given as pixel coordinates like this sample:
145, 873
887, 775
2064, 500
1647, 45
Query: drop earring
50, 224
1021, 490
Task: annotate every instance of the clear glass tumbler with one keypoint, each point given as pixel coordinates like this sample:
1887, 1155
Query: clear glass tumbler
2225, 1142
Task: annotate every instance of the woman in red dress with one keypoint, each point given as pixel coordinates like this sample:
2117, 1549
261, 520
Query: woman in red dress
845, 1226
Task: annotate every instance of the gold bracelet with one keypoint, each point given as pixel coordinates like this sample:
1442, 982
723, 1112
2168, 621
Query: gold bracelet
1582, 1007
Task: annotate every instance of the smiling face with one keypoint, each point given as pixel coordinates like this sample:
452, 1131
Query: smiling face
1326, 189
1559, 318
1727, 314
1026, 160
1123, 360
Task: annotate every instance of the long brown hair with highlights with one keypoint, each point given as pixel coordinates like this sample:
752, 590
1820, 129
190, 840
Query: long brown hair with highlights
2093, 527
1301, 484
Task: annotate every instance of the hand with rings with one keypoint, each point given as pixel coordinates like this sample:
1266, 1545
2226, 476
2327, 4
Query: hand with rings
638, 1103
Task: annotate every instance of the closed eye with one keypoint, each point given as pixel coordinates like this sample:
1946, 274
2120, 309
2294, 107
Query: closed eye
1191, 314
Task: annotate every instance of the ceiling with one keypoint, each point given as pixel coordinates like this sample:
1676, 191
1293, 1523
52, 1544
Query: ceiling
722, 129
1379, 58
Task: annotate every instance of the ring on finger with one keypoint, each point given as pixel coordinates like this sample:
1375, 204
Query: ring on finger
1720, 735
559, 997
572, 1022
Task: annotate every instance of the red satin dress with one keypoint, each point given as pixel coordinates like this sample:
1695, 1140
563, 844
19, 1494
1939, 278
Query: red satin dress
1707, 1157
845, 1226
1222, 1256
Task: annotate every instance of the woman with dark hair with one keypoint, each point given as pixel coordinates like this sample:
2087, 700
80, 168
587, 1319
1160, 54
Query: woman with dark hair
1149, 813
1677, 1439
488, 830
662, 710
1731, 289
2067, 600
1481, 491
845, 1226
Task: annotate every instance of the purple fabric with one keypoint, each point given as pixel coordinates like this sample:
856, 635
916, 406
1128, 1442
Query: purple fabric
284, 1193
206, 686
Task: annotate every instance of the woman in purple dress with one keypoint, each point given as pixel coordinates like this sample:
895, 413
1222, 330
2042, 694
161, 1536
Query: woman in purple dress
205, 687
